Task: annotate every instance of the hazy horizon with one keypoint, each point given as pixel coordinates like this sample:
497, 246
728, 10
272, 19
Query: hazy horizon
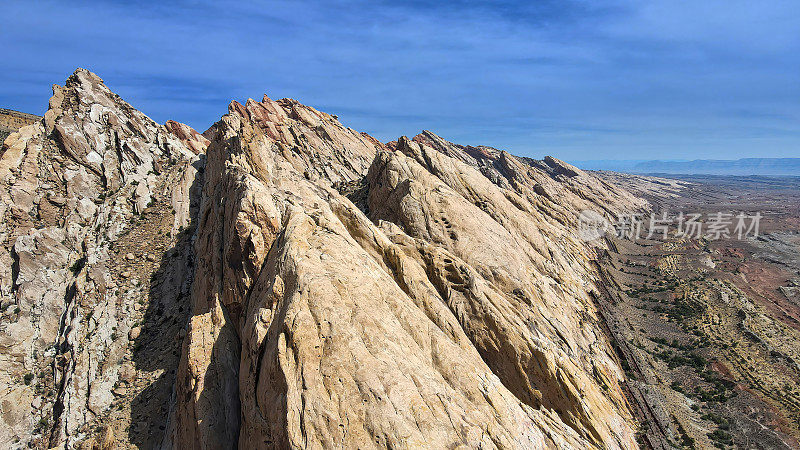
725, 167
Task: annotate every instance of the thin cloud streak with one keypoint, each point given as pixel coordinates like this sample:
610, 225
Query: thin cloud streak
622, 81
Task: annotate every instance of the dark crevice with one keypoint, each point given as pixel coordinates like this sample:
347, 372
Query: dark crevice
357, 191
62, 348
159, 344
14, 270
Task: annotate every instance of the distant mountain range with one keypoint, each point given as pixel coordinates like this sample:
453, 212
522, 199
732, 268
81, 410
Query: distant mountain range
744, 166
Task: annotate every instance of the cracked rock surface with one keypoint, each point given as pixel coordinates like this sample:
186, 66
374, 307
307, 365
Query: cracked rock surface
74, 190
282, 280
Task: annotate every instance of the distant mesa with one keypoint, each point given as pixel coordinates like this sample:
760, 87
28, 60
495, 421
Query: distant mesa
11, 121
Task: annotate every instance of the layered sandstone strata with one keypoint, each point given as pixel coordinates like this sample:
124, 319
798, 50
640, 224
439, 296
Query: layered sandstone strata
454, 307
282, 281
94, 177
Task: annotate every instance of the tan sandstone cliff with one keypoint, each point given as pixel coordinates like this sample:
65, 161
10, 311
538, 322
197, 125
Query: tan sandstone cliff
304, 286
90, 199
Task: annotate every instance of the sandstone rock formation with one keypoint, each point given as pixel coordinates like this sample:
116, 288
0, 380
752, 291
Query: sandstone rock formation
460, 313
322, 289
94, 180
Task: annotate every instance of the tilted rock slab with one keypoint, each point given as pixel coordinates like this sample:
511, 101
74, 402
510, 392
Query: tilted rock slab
436, 324
71, 187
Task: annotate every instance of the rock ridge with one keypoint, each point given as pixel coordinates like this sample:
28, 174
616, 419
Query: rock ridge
75, 188
282, 280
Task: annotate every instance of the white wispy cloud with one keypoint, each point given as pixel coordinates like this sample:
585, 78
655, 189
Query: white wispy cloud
577, 79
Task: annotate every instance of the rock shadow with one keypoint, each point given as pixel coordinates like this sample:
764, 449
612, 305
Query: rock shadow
163, 327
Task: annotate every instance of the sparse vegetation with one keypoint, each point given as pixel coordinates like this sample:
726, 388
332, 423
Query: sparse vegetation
721, 437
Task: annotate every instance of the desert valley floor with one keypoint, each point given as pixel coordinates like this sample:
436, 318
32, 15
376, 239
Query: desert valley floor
708, 329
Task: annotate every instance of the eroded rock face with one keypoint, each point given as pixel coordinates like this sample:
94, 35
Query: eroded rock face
535, 327
458, 312
284, 281
94, 181
557, 189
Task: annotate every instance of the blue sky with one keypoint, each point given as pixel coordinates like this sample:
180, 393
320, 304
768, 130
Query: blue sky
578, 80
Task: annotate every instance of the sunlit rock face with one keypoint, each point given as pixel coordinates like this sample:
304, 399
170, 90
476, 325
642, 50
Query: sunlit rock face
451, 306
283, 281
91, 198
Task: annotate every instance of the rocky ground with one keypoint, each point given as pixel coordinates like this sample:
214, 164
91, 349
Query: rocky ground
709, 328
